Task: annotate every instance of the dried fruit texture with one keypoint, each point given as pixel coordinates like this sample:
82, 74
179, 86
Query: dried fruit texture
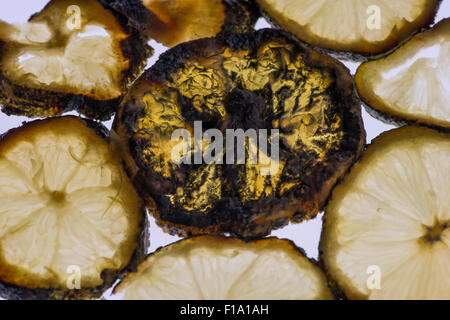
366, 27
413, 83
226, 268
387, 227
73, 55
172, 22
262, 80
69, 215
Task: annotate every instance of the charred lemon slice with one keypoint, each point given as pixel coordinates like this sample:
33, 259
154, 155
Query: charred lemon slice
296, 108
365, 27
413, 83
172, 22
226, 269
73, 55
70, 220
386, 233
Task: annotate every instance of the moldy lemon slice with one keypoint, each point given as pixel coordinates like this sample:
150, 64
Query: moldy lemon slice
263, 81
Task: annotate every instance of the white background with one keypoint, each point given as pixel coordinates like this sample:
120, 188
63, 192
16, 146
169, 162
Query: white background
305, 235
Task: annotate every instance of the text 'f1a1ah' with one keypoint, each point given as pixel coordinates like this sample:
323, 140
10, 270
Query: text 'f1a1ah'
227, 309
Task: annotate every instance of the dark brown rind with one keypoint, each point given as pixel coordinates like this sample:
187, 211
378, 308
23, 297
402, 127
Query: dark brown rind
137, 15
229, 216
14, 292
241, 16
361, 53
35, 102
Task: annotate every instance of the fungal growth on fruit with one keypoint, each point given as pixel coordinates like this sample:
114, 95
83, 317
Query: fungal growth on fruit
261, 81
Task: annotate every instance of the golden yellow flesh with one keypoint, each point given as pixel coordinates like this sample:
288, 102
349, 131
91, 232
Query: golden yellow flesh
414, 81
220, 268
186, 20
305, 120
65, 202
63, 50
392, 212
349, 25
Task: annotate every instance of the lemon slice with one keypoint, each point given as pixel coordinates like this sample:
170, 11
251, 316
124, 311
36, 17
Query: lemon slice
172, 22
413, 83
226, 268
367, 27
69, 218
71, 55
387, 227
263, 82
185, 20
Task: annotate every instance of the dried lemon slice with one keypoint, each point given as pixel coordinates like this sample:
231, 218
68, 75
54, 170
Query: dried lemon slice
73, 55
264, 83
70, 220
387, 227
413, 83
172, 22
226, 268
366, 27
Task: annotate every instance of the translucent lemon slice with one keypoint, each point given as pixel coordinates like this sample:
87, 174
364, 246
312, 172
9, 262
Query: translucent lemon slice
413, 83
226, 268
71, 55
69, 218
387, 227
363, 26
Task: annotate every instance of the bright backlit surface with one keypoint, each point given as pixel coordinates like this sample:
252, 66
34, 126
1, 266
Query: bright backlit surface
231, 269
305, 235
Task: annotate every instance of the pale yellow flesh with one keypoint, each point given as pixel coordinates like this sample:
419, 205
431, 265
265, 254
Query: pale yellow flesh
345, 22
414, 81
380, 214
209, 268
70, 46
88, 64
31, 33
64, 202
